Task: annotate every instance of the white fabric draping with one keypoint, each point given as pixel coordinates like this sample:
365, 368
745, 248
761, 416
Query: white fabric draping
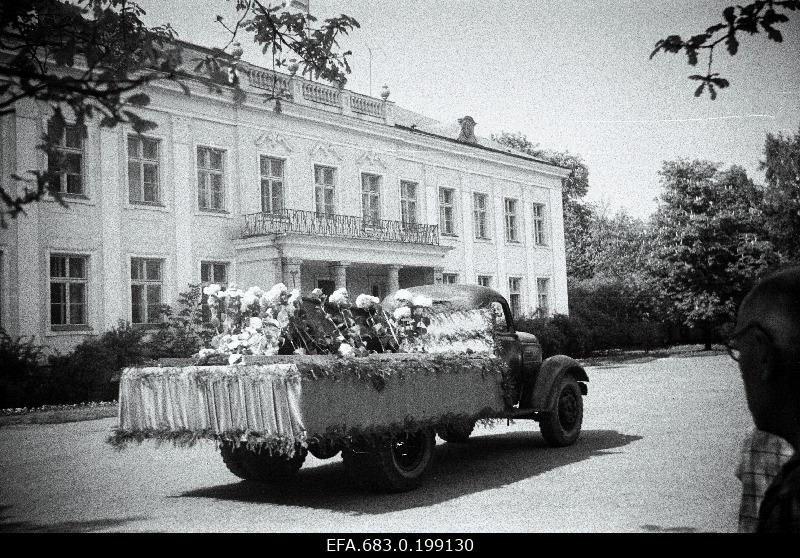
262, 399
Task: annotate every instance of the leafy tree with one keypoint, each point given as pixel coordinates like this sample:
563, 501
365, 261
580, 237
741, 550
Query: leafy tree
782, 193
93, 57
710, 242
577, 214
763, 14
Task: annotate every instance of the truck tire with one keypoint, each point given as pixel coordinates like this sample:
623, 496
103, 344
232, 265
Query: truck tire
394, 466
254, 465
562, 426
456, 433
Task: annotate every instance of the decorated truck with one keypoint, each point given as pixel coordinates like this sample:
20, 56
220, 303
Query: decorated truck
375, 381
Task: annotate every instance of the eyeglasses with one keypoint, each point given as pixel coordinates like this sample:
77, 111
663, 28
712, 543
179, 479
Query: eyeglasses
733, 350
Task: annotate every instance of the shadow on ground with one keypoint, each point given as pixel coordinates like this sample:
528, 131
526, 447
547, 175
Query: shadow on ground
8, 526
486, 462
658, 529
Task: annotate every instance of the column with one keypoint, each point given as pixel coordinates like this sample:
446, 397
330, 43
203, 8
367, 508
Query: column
339, 274
115, 271
32, 265
393, 277
185, 188
291, 272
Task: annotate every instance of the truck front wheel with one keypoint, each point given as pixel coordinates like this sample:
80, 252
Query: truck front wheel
396, 465
255, 465
562, 426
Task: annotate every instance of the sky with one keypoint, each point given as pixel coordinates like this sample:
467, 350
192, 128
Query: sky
569, 74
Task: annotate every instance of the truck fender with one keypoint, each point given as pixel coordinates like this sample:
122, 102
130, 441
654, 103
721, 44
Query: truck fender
551, 371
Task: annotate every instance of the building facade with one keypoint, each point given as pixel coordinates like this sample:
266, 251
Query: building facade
334, 190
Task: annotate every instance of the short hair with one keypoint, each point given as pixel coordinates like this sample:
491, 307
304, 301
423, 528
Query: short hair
780, 293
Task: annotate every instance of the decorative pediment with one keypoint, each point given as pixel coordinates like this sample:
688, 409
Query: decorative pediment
371, 158
324, 151
274, 141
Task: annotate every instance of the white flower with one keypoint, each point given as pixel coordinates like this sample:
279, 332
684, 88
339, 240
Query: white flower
234, 359
339, 297
273, 296
316, 293
249, 299
365, 301
421, 300
211, 290
294, 297
403, 296
346, 349
402, 312
300, 351
256, 323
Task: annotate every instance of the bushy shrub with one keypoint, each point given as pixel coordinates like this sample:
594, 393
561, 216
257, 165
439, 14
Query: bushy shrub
20, 358
183, 331
558, 335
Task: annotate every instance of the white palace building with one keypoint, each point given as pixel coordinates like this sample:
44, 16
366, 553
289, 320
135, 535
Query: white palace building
337, 189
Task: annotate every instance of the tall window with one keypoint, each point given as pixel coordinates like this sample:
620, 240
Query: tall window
515, 295
68, 283
479, 211
485, 280
511, 220
146, 284
447, 210
539, 237
271, 184
143, 162
214, 272
68, 159
449, 278
543, 292
371, 198
324, 183
408, 202
210, 177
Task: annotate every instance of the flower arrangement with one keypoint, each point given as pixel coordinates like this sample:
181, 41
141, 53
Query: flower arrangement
279, 321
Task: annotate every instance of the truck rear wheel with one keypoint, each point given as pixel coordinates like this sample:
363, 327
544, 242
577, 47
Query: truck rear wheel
255, 465
456, 433
397, 465
562, 426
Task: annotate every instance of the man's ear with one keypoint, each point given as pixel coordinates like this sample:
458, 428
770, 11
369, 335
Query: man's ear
766, 355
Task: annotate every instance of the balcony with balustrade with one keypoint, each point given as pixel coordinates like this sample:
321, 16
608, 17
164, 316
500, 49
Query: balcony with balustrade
339, 226
304, 92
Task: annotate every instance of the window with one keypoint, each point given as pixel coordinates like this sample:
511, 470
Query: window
143, 161
68, 284
543, 292
210, 176
515, 295
271, 184
511, 219
68, 159
449, 278
485, 280
324, 182
479, 210
146, 283
408, 202
447, 210
214, 272
538, 225
371, 198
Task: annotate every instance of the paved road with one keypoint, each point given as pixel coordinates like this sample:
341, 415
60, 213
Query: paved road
657, 454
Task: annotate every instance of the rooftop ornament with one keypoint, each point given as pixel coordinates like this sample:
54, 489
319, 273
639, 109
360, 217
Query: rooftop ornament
385, 92
467, 130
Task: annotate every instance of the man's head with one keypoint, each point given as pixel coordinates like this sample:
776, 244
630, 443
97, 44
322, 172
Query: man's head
767, 335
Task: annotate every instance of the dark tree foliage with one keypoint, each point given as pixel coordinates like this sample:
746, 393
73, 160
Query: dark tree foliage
752, 18
711, 245
781, 166
92, 58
